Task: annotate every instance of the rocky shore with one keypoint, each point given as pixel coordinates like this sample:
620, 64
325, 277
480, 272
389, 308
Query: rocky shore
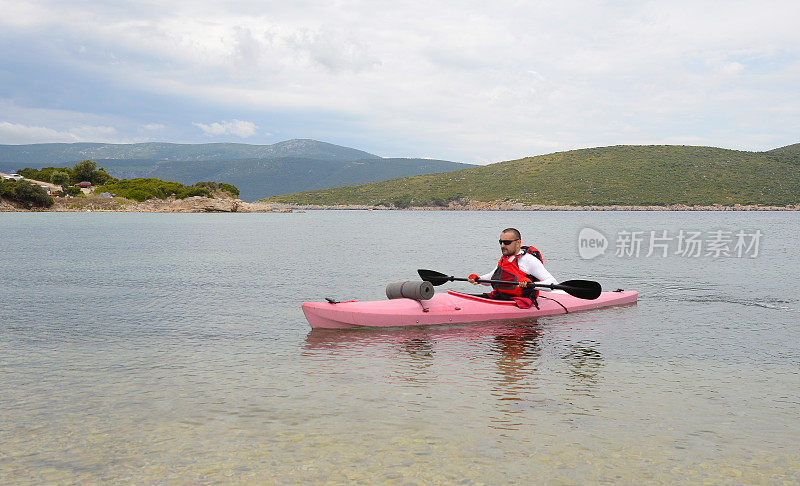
199, 204
195, 204
511, 206
222, 202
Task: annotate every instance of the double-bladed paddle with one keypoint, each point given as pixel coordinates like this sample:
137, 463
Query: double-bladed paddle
582, 289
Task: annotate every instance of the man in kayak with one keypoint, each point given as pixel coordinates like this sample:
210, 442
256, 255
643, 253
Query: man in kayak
519, 265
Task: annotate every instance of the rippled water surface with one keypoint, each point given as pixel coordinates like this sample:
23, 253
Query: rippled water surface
171, 348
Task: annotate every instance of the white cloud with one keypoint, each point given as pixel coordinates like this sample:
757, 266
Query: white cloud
92, 134
239, 128
462, 79
16, 133
732, 68
22, 124
21, 134
153, 126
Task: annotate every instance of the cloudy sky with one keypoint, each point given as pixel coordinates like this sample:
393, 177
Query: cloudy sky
470, 81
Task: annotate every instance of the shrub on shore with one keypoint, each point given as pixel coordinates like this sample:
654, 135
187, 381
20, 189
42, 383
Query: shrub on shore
220, 186
136, 189
149, 188
59, 178
24, 192
82, 171
69, 191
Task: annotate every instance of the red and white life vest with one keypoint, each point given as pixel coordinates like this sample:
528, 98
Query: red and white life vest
510, 272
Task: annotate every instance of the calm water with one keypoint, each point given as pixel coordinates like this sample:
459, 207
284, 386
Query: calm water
171, 348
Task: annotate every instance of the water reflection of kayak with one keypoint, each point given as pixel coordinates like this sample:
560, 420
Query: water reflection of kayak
321, 338
449, 307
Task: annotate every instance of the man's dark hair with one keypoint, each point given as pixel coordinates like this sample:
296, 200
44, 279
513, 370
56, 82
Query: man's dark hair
514, 231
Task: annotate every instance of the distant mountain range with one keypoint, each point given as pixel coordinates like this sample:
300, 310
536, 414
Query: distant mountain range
257, 170
637, 175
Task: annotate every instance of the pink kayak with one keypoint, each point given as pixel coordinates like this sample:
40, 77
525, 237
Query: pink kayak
449, 307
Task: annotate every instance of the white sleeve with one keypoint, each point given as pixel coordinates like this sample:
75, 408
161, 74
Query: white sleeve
486, 276
532, 266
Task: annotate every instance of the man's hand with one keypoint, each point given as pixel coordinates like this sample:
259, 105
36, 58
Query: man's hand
472, 279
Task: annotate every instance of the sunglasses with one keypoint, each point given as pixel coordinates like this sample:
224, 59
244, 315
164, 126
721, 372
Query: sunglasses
506, 242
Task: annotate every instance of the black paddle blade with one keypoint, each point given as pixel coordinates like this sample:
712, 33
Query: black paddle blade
582, 289
435, 278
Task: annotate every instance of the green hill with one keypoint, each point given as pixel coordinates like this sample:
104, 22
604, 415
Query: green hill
11, 156
789, 154
257, 178
257, 170
619, 175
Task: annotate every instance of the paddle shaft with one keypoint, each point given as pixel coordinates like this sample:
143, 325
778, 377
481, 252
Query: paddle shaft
582, 289
507, 283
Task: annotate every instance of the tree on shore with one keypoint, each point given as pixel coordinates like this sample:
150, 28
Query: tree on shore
60, 178
25, 193
84, 170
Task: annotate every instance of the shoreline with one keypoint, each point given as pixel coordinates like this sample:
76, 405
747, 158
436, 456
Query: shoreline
505, 206
89, 202
195, 204
199, 204
223, 204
